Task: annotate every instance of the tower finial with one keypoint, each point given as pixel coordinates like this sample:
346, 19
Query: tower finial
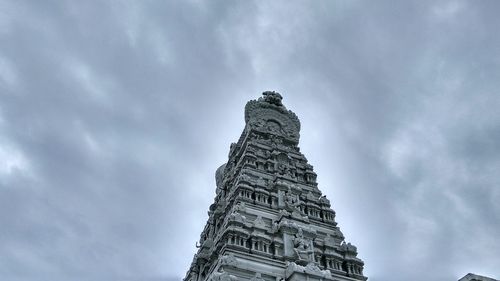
272, 97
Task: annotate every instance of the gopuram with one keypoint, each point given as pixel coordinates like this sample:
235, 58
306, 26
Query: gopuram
269, 221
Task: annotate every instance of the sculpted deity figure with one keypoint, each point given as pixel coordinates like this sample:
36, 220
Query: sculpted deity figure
282, 169
303, 248
229, 259
236, 216
291, 202
273, 97
273, 127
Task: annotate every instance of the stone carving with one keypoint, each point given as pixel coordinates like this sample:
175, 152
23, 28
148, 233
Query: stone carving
262, 182
240, 207
273, 127
221, 206
229, 259
245, 178
282, 158
219, 175
292, 205
291, 174
329, 241
284, 213
259, 222
291, 201
303, 247
232, 148
236, 216
274, 227
310, 268
310, 197
348, 248
268, 112
222, 276
282, 169
323, 200
251, 150
276, 142
273, 97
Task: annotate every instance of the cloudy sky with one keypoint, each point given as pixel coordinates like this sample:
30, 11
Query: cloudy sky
114, 116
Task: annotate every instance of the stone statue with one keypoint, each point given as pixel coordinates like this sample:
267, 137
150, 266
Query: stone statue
303, 249
273, 97
229, 259
291, 202
236, 216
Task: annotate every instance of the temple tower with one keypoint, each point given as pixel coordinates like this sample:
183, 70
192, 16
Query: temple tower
269, 221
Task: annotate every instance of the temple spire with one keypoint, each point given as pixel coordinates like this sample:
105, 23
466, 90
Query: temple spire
269, 220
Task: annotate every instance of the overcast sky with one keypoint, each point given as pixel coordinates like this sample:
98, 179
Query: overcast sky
114, 116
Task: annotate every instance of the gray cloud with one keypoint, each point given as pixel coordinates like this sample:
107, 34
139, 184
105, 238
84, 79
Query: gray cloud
115, 115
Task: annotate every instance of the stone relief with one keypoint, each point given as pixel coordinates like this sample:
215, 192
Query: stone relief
273, 97
262, 182
292, 202
259, 222
303, 247
236, 216
219, 175
323, 200
349, 248
240, 207
221, 275
329, 241
229, 259
274, 127
268, 112
274, 227
310, 268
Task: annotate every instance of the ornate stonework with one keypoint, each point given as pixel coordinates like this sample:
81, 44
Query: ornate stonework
269, 221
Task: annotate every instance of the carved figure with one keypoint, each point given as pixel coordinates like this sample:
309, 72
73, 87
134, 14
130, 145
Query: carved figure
284, 213
236, 216
223, 276
273, 127
229, 259
303, 248
261, 182
259, 222
273, 97
275, 226
282, 169
269, 108
291, 202
240, 206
